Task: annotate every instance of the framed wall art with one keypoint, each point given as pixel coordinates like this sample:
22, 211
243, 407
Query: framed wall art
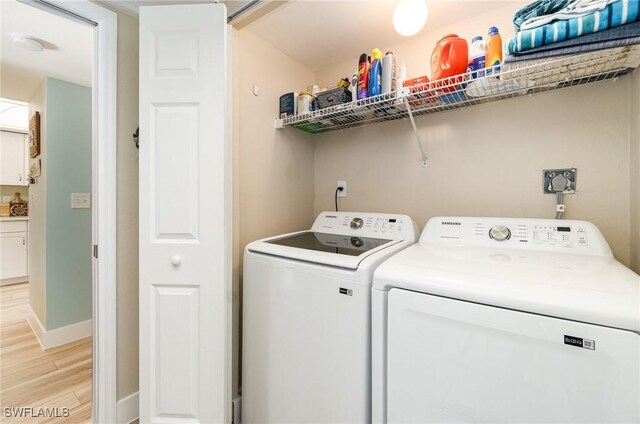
35, 168
34, 135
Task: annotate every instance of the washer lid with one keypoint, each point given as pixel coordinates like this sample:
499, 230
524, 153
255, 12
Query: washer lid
592, 289
340, 250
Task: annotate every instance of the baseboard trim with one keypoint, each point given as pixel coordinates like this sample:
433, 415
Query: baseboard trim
128, 408
36, 326
59, 336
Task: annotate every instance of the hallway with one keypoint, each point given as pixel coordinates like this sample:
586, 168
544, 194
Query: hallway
57, 378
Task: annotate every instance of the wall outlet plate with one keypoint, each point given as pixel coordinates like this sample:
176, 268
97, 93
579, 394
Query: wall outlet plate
343, 184
549, 174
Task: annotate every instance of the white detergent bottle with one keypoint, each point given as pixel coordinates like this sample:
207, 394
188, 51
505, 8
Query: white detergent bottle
388, 73
477, 53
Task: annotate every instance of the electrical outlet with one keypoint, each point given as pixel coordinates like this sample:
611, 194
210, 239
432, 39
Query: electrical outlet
549, 174
343, 184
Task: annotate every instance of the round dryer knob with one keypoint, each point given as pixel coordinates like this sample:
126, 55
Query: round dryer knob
356, 223
500, 233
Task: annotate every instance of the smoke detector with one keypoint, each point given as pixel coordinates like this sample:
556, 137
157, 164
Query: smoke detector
27, 42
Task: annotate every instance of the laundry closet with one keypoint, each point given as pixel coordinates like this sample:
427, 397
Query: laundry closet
477, 158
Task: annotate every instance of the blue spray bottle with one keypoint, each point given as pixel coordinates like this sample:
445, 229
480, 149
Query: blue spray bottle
375, 77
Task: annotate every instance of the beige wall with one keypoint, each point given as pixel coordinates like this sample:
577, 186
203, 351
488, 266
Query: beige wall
487, 160
127, 213
127, 206
634, 177
236, 321
37, 215
274, 168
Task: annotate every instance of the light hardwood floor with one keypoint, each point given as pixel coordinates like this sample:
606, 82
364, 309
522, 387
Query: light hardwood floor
31, 377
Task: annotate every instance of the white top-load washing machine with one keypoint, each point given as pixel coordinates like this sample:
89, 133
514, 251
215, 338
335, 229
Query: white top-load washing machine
307, 318
504, 321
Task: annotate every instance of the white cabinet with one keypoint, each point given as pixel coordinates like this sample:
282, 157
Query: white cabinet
13, 252
14, 162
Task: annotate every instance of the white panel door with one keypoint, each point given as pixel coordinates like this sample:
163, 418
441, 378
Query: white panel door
184, 215
453, 361
13, 158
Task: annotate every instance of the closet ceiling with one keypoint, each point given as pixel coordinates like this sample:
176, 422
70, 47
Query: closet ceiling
67, 54
322, 33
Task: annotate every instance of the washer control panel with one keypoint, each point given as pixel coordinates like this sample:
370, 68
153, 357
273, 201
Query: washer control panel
528, 234
366, 224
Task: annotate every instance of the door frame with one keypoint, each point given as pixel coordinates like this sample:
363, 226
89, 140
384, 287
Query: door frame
103, 200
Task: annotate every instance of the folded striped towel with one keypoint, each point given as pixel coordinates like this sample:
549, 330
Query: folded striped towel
624, 35
538, 8
576, 9
618, 13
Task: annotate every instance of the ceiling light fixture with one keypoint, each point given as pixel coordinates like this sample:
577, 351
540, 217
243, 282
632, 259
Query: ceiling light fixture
27, 42
410, 16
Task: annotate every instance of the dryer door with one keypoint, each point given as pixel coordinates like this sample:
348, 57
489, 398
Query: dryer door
455, 361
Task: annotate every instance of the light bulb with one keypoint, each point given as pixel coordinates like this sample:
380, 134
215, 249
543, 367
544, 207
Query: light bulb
28, 42
410, 16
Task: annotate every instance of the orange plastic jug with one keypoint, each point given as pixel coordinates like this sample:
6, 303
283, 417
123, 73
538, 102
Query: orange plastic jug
449, 58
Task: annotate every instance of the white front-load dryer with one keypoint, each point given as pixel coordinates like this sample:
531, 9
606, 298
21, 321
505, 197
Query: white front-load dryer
506, 321
307, 318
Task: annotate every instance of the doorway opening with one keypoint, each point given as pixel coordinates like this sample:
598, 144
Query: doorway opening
58, 310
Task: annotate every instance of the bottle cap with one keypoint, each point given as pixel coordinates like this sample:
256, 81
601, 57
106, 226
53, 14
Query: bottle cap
389, 52
493, 30
363, 57
476, 38
376, 54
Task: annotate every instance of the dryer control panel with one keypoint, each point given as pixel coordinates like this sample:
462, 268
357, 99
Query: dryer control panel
548, 235
389, 226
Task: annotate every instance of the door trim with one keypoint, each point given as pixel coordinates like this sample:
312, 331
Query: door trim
104, 88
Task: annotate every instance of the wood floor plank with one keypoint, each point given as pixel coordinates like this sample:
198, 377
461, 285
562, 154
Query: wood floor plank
31, 377
52, 355
69, 378
83, 394
79, 414
72, 357
15, 379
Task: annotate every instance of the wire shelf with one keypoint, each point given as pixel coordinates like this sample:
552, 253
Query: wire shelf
470, 89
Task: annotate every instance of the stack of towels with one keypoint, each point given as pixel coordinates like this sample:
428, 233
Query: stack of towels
548, 28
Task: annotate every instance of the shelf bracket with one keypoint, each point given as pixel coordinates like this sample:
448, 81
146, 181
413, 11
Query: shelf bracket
415, 132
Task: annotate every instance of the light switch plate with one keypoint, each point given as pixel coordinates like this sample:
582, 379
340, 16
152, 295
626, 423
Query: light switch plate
80, 200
